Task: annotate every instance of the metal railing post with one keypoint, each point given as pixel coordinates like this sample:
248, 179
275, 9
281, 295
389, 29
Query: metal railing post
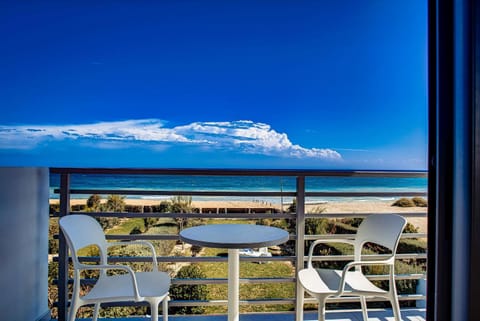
63, 250
300, 245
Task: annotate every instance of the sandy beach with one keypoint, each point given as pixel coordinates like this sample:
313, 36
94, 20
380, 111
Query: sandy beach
329, 207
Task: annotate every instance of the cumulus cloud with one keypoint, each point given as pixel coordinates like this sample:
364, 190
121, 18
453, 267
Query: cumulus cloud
244, 135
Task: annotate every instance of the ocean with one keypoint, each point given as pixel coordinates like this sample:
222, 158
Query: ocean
243, 184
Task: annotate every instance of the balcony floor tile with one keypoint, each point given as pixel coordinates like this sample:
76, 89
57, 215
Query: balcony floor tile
350, 315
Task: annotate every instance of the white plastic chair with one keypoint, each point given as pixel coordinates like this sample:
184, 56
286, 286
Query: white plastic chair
81, 231
322, 284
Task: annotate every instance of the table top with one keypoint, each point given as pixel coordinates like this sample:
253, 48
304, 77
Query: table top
234, 236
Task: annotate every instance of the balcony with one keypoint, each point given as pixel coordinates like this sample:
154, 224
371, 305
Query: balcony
271, 204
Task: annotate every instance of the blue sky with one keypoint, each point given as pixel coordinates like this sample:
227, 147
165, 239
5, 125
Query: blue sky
222, 84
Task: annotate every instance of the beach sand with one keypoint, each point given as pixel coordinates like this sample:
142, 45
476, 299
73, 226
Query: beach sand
328, 207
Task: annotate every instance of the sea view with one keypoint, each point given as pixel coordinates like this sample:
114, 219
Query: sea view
243, 184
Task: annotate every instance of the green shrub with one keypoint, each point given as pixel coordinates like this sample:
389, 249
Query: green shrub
410, 228
355, 221
407, 202
404, 202
164, 207
53, 229
136, 230
342, 228
79, 208
195, 250
115, 203
134, 208
189, 291
94, 202
54, 208
149, 222
108, 222
317, 226
412, 246
280, 223
420, 202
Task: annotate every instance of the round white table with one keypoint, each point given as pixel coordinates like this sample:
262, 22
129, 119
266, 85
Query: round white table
234, 237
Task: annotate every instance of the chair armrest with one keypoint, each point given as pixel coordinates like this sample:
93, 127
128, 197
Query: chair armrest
116, 267
319, 241
138, 242
390, 261
349, 265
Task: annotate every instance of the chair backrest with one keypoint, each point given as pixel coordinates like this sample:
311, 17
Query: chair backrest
382, 229
83, 230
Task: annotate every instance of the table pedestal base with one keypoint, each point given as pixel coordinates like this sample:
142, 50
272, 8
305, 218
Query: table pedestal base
234, 237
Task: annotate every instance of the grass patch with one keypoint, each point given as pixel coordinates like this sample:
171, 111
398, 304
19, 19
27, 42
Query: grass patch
127, 226
228, 221
249, 291
164, 226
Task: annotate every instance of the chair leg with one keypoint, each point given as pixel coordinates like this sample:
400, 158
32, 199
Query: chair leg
393, 297
395, 307
96, 310
363, 303
321, 308
73, 310
300, 301
165, 308
154, 309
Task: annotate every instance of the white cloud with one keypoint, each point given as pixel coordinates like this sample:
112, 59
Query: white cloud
244, 135
252, 137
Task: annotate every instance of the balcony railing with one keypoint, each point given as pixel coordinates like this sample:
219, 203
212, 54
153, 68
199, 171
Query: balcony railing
293, 184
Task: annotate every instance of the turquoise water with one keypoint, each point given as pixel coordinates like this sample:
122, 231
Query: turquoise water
241, 183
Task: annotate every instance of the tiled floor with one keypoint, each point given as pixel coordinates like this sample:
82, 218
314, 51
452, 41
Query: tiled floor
353, 315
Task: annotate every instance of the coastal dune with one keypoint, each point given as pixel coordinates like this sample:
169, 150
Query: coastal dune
340, 207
